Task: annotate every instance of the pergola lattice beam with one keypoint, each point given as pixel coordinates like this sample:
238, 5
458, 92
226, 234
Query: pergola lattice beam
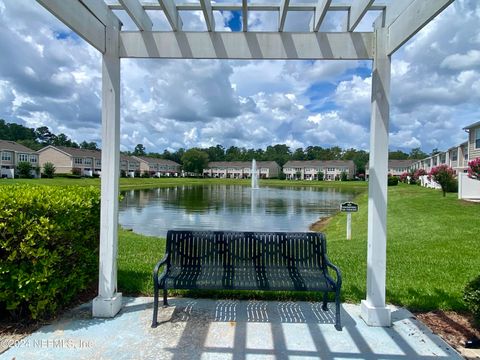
247, 45
189, 6
78, 18
137, 14
102, 12
357, 11
244, 15
208, 14
319, 14
171, 13
283, 14
414, 17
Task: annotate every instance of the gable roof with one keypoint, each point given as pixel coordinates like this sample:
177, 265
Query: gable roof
241, 164
76, 152
318, 163
152, 160
13, 146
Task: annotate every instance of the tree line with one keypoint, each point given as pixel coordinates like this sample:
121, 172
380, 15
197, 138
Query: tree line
40, 137
196, 158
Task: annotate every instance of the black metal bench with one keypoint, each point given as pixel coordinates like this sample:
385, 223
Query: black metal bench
229, 260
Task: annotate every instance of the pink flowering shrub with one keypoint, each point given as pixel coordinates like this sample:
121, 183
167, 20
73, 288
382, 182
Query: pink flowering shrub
403, 177
443, 175
418, 173
474, 169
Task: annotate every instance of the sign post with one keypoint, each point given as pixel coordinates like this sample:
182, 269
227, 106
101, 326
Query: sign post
349, 207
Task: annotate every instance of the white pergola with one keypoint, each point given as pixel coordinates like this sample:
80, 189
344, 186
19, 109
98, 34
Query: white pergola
96, 22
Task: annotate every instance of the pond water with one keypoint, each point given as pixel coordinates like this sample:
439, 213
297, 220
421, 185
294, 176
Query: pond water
228, 207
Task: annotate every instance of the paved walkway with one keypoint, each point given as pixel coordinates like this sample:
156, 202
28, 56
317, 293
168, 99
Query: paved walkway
229, 329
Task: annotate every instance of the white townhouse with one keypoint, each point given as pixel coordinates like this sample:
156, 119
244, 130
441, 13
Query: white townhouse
309, 169
241, 169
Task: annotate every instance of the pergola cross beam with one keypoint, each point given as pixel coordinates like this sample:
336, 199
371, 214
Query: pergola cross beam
137, 14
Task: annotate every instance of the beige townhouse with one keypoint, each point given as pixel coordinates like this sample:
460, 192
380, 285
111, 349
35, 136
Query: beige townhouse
66, 159
13, 153
395, 167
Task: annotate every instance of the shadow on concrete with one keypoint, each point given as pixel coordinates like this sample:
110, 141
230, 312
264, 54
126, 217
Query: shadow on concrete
232, 329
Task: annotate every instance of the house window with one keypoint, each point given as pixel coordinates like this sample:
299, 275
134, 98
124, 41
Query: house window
454, 155
22, 157
98, 162
477, 138
33, 159
6, 156
330, 169
88, 161
78, 161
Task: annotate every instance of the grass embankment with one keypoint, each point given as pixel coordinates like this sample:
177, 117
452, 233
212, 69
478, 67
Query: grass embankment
432, 250
146, 183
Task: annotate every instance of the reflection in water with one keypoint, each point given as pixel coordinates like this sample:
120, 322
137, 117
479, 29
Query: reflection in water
227, 207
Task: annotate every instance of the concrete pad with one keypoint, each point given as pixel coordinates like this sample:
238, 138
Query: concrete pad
230, 329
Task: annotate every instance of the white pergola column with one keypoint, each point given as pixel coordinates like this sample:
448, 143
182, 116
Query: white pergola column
373, 309
109, 301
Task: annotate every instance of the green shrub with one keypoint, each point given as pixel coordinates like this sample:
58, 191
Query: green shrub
452, 186
76, 171
471, 296
392, 181
48, 247
48, 170
24, 170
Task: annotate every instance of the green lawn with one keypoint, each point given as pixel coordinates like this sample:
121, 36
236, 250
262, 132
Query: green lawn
432, 250
145, 183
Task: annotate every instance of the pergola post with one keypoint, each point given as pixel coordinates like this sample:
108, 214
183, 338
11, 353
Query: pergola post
109, 301
373, 309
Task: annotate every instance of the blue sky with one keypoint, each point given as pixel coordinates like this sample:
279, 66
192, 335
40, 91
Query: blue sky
51, 77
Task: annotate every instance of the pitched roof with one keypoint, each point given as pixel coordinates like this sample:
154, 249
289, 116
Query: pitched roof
318, 163
400, 163
96, 154
152, 160
13, 146
241, 164
472, 125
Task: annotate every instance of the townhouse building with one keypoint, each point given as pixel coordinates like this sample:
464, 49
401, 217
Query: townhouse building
12, 154
66, 159
395, 167
310, 169
241, 169
457, 157
158, 167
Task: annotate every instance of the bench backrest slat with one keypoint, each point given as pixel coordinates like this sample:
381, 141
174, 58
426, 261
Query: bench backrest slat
233, 249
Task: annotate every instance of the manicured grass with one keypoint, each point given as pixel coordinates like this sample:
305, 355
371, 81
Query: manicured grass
145, 183
432, 251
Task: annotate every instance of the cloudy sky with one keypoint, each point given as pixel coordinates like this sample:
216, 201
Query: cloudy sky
50, 77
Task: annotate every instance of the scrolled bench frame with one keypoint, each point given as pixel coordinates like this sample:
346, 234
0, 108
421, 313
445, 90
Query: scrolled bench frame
231, 260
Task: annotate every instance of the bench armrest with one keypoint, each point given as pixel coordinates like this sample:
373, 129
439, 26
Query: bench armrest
337, 272
164, 261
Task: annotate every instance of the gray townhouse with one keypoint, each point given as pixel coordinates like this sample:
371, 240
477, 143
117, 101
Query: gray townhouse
158, 167
13, 153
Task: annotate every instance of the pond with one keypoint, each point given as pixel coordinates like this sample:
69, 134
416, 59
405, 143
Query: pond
228, 207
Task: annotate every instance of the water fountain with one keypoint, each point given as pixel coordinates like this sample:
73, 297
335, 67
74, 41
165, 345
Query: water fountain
254, 175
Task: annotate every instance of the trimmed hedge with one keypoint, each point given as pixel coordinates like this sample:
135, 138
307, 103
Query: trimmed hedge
49, 240
471, 296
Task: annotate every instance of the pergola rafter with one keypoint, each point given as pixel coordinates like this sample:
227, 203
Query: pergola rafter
96, 22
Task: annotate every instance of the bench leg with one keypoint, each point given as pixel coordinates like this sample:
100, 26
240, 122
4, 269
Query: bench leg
165, 302
155, 306
338, 324
325, 300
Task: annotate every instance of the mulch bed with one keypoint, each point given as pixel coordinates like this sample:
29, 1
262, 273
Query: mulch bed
455, 328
